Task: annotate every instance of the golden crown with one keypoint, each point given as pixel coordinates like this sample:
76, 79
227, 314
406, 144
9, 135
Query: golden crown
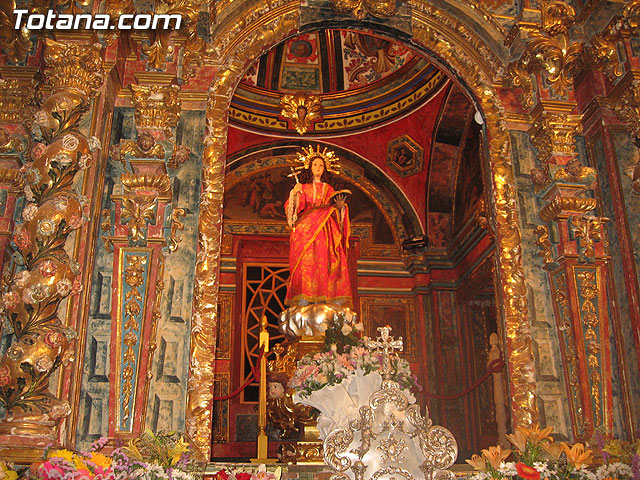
306, 157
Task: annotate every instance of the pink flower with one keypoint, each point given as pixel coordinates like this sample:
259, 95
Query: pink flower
37, 150
10, 300
53, 338
77, 287
76, 222
48, 268
22, 239
5, 376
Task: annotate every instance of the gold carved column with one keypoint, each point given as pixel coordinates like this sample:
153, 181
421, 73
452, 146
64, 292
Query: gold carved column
571, 239
42, 273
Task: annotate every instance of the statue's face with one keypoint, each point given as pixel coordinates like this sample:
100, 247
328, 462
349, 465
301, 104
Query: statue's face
145, 141
574, 167
276, 390
317, 168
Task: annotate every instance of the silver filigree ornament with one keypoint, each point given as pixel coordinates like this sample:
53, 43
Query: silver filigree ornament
390, 439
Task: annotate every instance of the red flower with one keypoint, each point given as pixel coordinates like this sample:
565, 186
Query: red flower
221, 475
527, 472
243, 476
22, 239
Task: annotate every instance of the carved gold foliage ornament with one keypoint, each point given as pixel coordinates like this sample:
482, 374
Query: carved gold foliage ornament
134, 278
11, 177
362, 8
551, 51
566, 205
590, 292
157, 107
588, 229
15, 96
176, 225
627, 108
546, 251
15, 43
74, 66
553, 134
302, 110
565, 332
160, 184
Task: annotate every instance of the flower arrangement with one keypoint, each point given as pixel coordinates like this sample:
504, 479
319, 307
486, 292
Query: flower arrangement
537, 457
148, 457
325, 369
252, 473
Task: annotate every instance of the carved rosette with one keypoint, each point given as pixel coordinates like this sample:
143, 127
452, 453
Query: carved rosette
157, 107
45, 274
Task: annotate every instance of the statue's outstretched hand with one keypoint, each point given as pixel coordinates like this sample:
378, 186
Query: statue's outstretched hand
296, 188
340, 201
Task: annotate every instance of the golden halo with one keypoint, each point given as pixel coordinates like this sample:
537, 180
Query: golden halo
306, 157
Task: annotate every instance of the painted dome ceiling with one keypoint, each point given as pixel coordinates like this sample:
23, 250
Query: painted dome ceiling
360, 79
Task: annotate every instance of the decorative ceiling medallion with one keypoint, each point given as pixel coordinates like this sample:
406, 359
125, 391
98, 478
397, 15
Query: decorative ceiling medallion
302, 110
405, 156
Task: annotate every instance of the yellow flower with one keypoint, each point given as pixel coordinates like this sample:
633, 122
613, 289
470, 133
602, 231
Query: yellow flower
101, 460
535, 435
78, 461
64, 454
477, 462
553, 449
495, 455
518, 439
6, 473
577, 456
177, 450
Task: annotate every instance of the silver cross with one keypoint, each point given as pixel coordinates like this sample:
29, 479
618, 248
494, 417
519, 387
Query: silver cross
387, 344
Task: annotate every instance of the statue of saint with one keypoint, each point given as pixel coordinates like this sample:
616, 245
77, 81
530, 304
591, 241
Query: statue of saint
319, 218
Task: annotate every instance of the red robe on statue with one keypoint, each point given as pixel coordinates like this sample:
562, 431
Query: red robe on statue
318, 250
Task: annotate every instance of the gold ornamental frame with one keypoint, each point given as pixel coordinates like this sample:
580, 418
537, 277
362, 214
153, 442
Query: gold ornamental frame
240, 37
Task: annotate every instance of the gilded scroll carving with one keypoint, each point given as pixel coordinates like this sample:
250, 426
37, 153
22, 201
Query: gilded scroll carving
550, 51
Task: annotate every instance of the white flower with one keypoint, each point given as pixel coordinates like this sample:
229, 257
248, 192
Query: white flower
46, 227
29, 211
70, 142
64, 159
323, 327
41, 117
180, 475
61, 202
28, 194
334, 347
346, 329
359, 326
85, 161
63, 287
43, 364
94, 143
22, 278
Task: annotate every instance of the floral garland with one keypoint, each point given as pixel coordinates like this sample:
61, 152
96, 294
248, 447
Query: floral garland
537, 457
325, 369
